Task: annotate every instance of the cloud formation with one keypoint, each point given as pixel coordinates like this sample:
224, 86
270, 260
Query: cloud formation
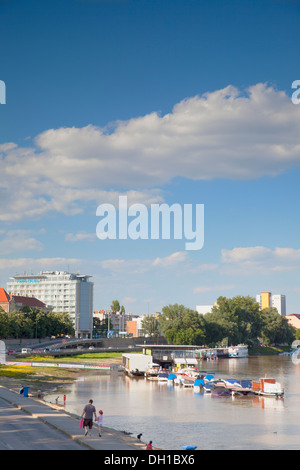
262, 258
223, 134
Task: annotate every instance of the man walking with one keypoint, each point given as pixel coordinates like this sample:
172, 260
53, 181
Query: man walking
88, 412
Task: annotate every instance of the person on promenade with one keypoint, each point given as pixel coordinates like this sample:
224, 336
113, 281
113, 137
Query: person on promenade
88, 412
100, 422
149, 446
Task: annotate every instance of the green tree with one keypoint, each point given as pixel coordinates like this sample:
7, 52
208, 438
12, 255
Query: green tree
150, 325
32, 322
115, 306
181, 325
4, 326
238, 319
275, 328
100, 327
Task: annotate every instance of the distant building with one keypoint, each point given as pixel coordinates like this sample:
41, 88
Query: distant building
135, 327
62, 291
117, 321
267, 299
294, 320
203, 309
10, 303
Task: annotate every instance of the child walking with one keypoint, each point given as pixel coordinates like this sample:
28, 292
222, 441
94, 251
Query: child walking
100, 422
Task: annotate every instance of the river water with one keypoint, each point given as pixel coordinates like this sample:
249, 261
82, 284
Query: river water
173, 416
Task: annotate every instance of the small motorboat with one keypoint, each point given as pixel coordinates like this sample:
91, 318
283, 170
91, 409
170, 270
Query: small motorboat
209, 377
220, 391
152, 370
187, 382
232, 383
198, 385
136, 373
208, 386
163, 377
172, 377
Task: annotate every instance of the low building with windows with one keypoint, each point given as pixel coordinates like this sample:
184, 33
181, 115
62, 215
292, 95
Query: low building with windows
11, 303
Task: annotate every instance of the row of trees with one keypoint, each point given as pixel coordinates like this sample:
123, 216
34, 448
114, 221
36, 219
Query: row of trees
232, 321
34, 323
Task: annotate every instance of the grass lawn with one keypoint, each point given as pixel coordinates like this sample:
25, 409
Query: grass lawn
87, 357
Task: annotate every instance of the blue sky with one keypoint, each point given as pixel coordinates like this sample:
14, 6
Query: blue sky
175, 101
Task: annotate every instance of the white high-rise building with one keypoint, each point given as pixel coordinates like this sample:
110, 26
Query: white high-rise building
64, 292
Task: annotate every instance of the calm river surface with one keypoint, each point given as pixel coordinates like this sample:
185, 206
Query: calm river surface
174, 416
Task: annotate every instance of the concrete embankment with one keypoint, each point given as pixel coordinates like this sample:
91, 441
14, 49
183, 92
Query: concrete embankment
68, 424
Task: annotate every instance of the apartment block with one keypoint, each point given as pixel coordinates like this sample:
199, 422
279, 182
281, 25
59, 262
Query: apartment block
267, 299
61, 291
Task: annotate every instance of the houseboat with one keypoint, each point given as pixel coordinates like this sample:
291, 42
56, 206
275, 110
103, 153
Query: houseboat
268, 387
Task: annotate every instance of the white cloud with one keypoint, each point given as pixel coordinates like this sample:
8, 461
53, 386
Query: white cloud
222, 134
80, 236
143, 265
18, 240
39, 264
221, 288
171, 260
246, 254
262, 258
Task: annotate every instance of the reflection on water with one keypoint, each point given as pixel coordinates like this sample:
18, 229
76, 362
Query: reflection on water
173, 416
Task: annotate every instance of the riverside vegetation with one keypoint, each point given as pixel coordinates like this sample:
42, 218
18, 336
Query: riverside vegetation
231, 321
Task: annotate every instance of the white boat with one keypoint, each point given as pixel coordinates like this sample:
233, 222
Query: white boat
192, 372
163, 377
152, 370
232, 383
208, 386
187, 382
238, 351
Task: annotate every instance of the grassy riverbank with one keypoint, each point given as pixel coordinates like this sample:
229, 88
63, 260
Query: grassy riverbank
49, 378
268, 350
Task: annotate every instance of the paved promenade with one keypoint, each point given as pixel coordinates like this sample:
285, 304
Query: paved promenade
68, 424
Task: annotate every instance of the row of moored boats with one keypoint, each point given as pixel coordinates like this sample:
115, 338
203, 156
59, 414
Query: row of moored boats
191, 377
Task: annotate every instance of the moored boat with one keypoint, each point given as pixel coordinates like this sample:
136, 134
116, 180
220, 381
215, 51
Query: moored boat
268, 387
241, 350
232, 382
198, 385
208, 386
152, 370
187, 382
135, 373
162, 377
220, 391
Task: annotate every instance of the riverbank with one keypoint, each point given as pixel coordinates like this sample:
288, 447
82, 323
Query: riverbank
67, 423
47, 379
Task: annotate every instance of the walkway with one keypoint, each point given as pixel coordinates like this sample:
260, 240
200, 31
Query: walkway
67, 424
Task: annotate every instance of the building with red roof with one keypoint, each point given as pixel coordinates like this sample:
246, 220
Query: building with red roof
9, 303
294, 320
